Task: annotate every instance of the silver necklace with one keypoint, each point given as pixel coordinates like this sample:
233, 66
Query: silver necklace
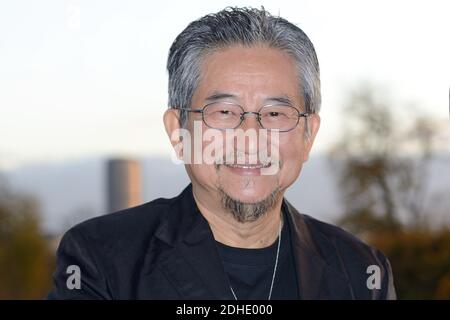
274, 268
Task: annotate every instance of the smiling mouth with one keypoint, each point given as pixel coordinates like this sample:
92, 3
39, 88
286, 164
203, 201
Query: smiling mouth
248, 166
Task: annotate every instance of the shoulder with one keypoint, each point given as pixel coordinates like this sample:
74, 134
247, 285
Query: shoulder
353, 257
106, 250
328, 234
121, 229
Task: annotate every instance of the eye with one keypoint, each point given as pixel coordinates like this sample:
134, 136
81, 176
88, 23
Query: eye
274, 114
223, 113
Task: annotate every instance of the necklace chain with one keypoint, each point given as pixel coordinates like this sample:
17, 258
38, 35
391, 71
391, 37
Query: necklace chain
274, 268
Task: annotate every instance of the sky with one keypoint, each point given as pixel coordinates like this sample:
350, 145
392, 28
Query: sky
87, 78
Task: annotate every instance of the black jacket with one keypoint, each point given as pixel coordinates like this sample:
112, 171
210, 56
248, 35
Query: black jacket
165, 249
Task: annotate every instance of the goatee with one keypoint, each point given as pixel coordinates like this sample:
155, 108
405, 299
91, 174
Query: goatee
248, 212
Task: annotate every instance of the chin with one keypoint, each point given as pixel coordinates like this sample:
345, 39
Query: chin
248, 190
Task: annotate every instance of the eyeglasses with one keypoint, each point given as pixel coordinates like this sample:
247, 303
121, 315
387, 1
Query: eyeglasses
228, 115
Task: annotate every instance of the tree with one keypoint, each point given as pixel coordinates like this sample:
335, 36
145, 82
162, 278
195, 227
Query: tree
26, 261
381, 164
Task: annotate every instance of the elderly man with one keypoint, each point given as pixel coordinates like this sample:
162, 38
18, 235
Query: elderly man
230, 234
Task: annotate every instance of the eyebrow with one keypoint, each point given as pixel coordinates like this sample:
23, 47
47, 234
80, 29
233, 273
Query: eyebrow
218, 95
283, 99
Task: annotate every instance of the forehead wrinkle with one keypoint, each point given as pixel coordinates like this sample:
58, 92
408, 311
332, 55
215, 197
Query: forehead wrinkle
246, 82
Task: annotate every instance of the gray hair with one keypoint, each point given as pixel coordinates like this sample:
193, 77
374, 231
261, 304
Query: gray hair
245, 26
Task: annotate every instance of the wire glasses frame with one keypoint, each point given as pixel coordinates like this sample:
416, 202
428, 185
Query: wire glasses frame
243, 113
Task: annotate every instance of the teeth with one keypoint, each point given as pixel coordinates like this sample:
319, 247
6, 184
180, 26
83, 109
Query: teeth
248, 166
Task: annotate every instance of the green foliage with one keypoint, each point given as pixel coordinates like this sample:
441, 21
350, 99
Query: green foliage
420, 262
26, 261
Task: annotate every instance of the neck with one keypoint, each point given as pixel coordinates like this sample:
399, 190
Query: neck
227, 230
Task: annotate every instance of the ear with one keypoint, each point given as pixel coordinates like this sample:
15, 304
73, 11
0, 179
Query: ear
314, 125
171, 120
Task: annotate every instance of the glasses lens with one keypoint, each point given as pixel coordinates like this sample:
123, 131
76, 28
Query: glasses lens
222, 115
279, 117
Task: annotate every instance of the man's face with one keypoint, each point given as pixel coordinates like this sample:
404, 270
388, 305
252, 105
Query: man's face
251, 77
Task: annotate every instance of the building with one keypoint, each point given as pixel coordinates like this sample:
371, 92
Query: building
123, 184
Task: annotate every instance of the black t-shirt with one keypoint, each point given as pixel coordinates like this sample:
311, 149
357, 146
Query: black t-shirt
250, 270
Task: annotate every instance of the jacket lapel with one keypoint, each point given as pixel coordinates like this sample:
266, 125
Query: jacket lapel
316, 277
191, 262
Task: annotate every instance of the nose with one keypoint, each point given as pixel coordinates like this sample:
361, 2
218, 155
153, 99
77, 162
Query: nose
250, 131
248, 123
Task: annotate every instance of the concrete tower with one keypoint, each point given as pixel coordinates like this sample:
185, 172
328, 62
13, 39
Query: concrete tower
123, 184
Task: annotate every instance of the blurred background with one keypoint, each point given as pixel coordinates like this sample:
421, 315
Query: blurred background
83, 88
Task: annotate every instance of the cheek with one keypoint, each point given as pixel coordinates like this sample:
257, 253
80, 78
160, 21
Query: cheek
203, 174
292, 155
199, 162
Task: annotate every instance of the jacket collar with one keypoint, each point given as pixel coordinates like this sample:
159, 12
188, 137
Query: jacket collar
192, 264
